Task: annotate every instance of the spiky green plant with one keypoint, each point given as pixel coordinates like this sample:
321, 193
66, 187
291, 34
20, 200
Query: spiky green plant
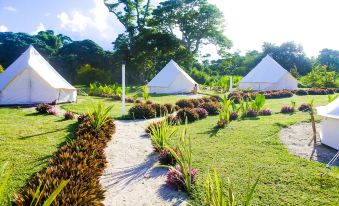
225, 111
100, 115
5, 173
293, 104
184, 159
215, 194
145, 93
332, 97
161, 132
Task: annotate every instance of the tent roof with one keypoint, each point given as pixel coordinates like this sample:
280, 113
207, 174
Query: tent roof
267, 71
330, 110
33, 60
168, 74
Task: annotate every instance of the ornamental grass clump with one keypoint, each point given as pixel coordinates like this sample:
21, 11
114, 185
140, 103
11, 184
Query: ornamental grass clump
160, 134
69, 115
216, 195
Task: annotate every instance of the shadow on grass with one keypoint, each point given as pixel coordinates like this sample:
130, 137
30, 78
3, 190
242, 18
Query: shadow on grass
212, 132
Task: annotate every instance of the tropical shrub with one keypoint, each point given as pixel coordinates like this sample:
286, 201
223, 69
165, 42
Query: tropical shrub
211, 107
320, 77
265, 112
201, 112
52, 111
287, 109
69, 115
142, 111
173, 119
104, 90
160, 133
43, 108
304, 107
184, 103
187, 113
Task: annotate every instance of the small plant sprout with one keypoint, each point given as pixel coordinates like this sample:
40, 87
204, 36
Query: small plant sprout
293, 104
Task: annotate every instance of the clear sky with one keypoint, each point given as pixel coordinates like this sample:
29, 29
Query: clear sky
311, 23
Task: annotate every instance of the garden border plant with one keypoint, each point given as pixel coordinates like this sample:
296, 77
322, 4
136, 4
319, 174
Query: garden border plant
81, 161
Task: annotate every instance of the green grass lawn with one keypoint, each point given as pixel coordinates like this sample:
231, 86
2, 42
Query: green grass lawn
27, 141
253, 144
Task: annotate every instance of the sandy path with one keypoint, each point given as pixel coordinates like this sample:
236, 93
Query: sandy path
129, 178
298, 139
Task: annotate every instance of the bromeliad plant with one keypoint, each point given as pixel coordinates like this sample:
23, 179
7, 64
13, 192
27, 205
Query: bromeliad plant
160, 133
215, 195
99, 116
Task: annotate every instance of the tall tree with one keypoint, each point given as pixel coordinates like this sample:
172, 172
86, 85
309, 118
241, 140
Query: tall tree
330, 58
197, 21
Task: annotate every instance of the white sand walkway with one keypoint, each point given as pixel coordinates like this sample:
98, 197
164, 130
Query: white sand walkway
129, 178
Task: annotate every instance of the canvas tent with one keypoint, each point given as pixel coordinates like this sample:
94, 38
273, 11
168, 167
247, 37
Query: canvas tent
171, 80
268, 75
329, 124
31, 79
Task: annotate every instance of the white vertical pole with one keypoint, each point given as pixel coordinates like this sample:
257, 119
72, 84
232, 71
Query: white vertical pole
231, 83
123, 90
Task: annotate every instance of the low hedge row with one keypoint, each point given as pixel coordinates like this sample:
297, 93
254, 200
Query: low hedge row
150, 110
274, 94
81, 161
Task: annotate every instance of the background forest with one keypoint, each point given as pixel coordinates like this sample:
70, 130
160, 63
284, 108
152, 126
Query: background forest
174, 30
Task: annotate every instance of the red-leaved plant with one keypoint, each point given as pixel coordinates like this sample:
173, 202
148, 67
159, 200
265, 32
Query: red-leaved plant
176, 179
69, 115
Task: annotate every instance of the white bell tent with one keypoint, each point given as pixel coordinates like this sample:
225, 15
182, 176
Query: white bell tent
172, 80
329, 124
268, 75
31, 79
